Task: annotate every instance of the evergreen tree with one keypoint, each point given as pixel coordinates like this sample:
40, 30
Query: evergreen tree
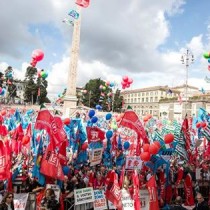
31, 89
97, 93
42, 90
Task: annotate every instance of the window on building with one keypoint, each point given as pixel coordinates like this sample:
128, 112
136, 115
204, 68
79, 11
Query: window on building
142, 99
147, 100
156, 99
151, 99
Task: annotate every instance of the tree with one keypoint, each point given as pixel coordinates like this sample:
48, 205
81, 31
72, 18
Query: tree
96, 92
31, 89
42, 90
118, 99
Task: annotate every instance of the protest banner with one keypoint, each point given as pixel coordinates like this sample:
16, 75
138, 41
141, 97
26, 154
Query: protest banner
144, 199
100, 200
96, 156
20, 201
84, 195
127, 202
133, 162
56, 189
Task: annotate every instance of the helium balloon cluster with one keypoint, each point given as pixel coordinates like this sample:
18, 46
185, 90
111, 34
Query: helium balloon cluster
92, 116
206, 55
43, 74
37, 55
109, 84
126, 82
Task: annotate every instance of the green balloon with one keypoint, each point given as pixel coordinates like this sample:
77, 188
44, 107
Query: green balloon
206, 55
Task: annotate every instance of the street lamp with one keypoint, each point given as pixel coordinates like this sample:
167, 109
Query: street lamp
187, 58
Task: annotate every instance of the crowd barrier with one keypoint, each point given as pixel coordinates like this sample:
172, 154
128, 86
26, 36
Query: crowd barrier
69, 203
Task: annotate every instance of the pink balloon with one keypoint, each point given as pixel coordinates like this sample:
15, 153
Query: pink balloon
125, 78
38, 55
130, 81
123, 83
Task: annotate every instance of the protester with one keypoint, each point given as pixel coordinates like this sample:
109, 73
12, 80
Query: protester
201, 203
178, 204
49, 201
7, 202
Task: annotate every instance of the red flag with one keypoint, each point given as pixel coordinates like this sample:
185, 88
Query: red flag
185, 130
131, 120
95, 134
122, 176
3, 130
47, 122
50, 165
5, 161
189, 199
136, 197
62, 153
152, 188
162, 185
113, 192
18, 133
83, 3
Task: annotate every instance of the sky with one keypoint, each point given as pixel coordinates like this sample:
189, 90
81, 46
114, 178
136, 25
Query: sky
142, 39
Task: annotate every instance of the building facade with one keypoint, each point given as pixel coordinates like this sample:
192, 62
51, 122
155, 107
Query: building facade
166, 102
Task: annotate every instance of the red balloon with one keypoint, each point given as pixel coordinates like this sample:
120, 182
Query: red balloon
145, 119
169, 138
130, 81
66, 121
145, 156
123, 83
25, 140
38, 55
209, 68
157, 143
203, 124
84, 146
146, 147
3, 112
153, 149
125, 78
198, 125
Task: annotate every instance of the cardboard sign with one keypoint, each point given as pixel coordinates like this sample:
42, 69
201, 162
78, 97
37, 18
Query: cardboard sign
133, 162
96, 156
100, 200
127, 202
56, 189
84, 195
20, 201
144, 199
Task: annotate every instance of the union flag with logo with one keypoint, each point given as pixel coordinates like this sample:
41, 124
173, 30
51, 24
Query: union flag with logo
95, 134
50, 165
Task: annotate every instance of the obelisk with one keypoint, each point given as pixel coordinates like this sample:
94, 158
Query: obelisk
70, 99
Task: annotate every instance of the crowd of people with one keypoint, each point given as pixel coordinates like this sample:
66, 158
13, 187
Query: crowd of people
182, 175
